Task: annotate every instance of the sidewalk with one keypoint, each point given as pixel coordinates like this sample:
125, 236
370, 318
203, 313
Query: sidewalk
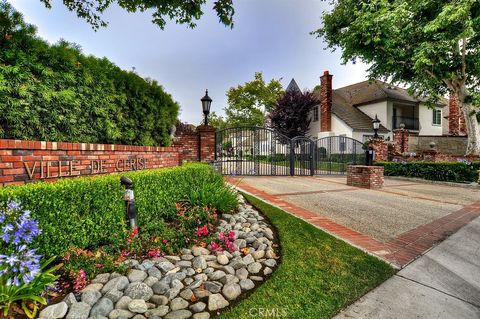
443, 283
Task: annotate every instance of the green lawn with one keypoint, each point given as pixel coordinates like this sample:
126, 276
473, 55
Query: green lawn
317, 277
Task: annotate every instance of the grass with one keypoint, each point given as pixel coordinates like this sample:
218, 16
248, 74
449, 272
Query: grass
318, 275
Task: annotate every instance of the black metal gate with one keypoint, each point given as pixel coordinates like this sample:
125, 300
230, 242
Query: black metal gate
263, 151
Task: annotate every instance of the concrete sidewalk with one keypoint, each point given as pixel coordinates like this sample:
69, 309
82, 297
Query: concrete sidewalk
443, 283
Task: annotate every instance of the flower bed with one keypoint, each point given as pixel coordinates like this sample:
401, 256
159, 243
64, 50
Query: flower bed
204, 279
176, 207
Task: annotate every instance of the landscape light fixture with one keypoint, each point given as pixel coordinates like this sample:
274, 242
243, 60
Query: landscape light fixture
376, 126
129, 198
206, 103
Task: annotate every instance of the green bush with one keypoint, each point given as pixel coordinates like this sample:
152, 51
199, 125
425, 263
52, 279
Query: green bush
436, 171
56, 93
89, 212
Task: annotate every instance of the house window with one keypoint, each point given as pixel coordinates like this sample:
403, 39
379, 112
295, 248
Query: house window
315, 113
437, 117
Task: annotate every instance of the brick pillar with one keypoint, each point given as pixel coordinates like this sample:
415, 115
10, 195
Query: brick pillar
206, 143
380, 148
400, 141
365, 176
188, 145
454, 114
326, 102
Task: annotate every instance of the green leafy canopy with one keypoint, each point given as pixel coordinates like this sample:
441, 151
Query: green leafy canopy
433, 45
180, 11
248, 104
425, 43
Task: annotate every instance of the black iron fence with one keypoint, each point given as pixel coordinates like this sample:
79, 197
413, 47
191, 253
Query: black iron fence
263, 151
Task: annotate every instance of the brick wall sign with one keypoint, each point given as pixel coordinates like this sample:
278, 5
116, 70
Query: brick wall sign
27, 161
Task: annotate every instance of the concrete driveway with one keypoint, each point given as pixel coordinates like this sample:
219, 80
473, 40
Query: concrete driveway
398, 223
443, 283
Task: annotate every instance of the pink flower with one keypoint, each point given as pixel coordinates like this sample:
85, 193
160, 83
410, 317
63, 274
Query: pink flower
202, 231
80, 280
231, 235
165, 241
221, 236
154, 253
215, 247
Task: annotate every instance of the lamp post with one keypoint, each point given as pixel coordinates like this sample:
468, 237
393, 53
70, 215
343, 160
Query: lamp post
206, 102
129, 198
376, 126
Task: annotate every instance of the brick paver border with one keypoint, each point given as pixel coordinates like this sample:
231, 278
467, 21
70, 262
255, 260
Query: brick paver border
400, 251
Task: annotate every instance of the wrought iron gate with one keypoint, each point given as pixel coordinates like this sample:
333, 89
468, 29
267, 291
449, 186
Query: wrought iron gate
263, 151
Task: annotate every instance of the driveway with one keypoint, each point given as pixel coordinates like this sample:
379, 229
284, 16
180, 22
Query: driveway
398, 223
443, 283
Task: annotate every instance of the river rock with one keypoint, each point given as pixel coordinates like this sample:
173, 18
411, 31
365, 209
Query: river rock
54, 311
139, 290
216, 302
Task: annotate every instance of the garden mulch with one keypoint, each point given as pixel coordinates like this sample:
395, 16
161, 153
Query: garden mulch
398, 223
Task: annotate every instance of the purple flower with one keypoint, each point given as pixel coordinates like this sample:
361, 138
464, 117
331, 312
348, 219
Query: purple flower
20, 264
13, 205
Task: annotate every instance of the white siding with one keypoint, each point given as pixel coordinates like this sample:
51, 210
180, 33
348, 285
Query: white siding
426, 121
314, 127
384, 111
339, 127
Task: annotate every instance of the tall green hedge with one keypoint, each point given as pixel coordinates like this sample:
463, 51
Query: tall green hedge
88, 212
436, 171
54, 92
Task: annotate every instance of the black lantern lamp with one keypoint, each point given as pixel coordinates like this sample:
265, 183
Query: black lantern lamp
206, 102
376, 126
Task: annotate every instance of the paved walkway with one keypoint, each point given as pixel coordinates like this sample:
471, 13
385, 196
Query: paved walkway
443, 283
398, 223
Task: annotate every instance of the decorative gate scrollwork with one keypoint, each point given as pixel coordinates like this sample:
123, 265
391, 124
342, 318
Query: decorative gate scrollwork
263, 151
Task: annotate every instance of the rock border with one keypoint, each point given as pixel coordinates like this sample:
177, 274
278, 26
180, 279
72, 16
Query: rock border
194, 284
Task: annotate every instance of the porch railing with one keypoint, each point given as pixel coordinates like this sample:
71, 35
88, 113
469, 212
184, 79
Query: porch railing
411, 123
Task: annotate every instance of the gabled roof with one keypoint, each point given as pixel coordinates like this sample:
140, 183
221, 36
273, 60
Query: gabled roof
293, 86
351, 115
376, 90
369, 91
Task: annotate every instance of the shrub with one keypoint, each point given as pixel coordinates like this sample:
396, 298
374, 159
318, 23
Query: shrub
89, 212
56, 93
438, 171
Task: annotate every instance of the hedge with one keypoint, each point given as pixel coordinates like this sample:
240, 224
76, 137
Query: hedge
89, 211
437, 171
56, 93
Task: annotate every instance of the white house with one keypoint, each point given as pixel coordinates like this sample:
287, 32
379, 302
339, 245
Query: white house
348, 111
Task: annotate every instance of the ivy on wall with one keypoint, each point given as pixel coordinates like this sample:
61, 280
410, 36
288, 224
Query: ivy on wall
56, 93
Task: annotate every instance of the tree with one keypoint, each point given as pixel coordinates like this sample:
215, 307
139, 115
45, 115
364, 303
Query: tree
56, 93
432, 45
217, 121
291, 114
249, 104
182, 12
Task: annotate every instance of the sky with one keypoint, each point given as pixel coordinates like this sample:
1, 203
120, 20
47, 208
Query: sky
269, 36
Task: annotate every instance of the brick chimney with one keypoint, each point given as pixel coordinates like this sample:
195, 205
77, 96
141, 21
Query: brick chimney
326, 102
454, 114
